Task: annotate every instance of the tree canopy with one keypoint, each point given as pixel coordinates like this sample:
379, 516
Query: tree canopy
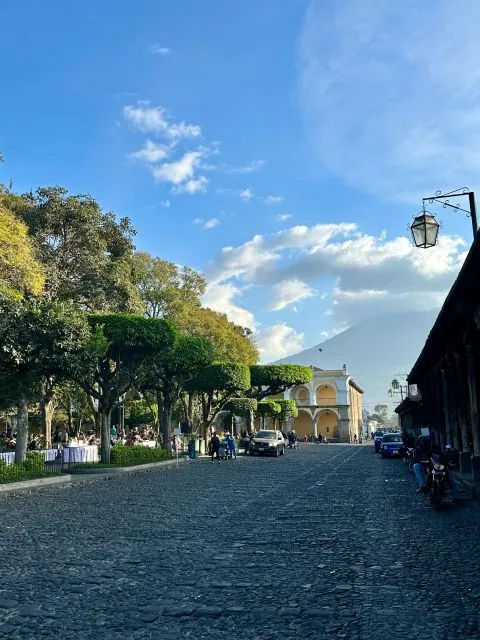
166, 288
272, 379
86, 253
231, 342
20, 272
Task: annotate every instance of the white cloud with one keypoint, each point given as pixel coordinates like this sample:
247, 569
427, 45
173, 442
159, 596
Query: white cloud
372, 274
254, 165
178, 171
212, 223
198, 221
165, 203
278, 341
288, 292
151, 152
195, 185
220, 297
391, 98
155, 120
273, 200
246, 194
283, 216
157, 49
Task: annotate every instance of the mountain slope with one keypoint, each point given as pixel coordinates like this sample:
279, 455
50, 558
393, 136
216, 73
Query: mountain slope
375, 351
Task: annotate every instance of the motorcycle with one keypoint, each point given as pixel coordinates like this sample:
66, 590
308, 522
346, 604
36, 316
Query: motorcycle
321, 440
408, 457
293, 444
437, 483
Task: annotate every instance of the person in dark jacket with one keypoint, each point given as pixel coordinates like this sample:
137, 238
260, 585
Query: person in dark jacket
215, 447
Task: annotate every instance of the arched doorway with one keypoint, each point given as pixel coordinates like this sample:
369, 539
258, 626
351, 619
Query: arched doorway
327, 424
326, 395
302, 425
301, 396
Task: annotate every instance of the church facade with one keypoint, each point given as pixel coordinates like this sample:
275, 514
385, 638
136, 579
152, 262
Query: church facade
330, 405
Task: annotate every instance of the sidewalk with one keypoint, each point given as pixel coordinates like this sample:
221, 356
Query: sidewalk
86, 475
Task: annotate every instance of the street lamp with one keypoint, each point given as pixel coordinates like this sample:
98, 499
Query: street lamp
424, 227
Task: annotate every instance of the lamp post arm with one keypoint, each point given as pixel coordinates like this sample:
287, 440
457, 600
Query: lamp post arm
444, 199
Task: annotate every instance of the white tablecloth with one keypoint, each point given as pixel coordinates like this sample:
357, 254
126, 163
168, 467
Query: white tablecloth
146, 443
88, 453
8, 457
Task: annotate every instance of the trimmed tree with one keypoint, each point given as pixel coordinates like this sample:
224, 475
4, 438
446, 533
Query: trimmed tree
114, 360
272, 379
268, 409
39, 340
215, 385
242, 407
288, 410
172, 371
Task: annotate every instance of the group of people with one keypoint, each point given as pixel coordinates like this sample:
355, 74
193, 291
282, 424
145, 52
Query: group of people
229, 443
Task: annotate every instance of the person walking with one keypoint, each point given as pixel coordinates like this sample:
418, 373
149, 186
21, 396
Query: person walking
355, 441
215, 447
232, 446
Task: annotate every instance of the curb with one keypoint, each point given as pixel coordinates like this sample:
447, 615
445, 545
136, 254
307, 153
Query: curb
87, 475
470, 484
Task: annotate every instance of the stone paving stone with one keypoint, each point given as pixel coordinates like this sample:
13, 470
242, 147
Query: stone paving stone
312, 545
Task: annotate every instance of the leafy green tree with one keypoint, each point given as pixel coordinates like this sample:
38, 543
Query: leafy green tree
288, 410
242, 407
20, 272
140, 413
172, 371
86, 253
268, 409
114, 360
165, 288
215, 385
231, 342
380, 414
273, 379
39, 339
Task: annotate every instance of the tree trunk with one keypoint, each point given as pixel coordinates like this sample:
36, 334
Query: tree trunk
22, 429
166, 421
105, 438
47, 409
250, 420
159, 397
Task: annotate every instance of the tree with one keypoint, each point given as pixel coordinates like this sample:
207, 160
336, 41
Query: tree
39, 339
164, 287
268, 409
86, 253
242, 407
380, 414
140, 413
169, 373
113, 362
273, 379
231, 342
20, 272
216, 385
288, 410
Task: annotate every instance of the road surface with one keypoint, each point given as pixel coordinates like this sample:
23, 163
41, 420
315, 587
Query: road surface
327, 542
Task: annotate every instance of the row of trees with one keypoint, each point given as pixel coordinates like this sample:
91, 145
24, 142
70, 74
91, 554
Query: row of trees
85, 320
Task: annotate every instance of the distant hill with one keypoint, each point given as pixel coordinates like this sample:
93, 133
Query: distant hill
374, 351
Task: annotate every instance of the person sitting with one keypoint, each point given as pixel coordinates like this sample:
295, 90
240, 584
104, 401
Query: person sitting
420, 457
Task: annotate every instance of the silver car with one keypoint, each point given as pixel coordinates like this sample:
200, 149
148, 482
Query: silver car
267, 442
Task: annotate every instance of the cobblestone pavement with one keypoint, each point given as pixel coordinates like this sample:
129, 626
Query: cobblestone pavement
327, 542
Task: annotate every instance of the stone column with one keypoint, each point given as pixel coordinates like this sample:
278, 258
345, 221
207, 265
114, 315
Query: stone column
314, 426
446, 406
465, 455
474, 414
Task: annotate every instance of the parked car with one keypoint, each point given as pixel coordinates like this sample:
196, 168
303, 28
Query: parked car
392, 445
267, 442
378, 440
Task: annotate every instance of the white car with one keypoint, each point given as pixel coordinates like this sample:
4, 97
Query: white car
267, 442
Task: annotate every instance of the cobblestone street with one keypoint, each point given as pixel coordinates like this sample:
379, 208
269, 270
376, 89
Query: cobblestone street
327, 542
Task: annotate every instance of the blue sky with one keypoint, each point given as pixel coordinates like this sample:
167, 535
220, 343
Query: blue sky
281, 147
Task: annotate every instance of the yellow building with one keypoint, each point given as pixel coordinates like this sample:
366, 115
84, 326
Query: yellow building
330, 405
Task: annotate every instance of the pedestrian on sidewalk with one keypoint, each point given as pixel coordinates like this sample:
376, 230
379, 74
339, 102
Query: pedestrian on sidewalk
215, 447
355, 441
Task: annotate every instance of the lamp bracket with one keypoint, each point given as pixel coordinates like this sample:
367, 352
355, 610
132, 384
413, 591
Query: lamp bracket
444, 199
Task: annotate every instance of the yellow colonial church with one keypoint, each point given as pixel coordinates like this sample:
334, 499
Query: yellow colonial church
331, 405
